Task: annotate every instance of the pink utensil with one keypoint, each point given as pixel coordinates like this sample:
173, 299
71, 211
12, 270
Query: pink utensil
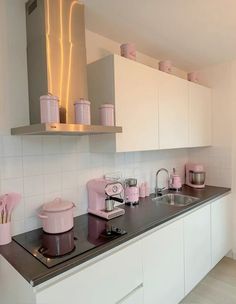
8, 202
12, 200
1, 212
3, 209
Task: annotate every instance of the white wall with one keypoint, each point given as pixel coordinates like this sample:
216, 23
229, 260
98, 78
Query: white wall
99, 46
41, 167
217, 159
233, 87
13, 69
220, 160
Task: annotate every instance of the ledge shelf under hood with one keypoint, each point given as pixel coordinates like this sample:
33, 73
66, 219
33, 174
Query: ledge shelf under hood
64, 129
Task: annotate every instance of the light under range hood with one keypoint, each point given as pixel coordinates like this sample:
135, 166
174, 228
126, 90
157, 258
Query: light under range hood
64, 129
56, 57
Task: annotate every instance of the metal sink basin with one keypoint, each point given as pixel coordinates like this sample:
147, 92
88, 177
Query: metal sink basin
178, 200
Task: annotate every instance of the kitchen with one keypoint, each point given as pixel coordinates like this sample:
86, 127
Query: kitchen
41, 167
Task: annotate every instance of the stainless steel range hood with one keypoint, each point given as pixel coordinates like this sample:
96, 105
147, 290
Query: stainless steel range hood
56, 56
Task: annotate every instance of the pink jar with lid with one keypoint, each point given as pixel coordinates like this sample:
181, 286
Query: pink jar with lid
128, 50
49, 109
82, 112
165, 66
107, 115
193, 76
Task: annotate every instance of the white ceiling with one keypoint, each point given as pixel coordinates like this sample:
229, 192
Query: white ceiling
192, 33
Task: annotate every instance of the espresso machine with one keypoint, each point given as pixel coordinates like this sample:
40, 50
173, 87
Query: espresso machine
195, 175
102, 195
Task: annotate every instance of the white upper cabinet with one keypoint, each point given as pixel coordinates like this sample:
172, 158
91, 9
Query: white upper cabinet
173, 111
156, 110
221, 227
132, 88
199, 115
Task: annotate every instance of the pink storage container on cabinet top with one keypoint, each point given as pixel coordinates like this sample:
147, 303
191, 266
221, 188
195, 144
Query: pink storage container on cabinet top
128, 50
193, 76
165, 66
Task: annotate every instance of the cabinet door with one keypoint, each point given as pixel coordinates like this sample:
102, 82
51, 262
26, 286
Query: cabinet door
136, 106
136, 297
199, 115
163, 265
197, 246
221, 228
173, 111
107, 281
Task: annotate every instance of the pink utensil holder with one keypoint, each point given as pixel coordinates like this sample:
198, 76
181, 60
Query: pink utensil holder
165, 66
128, 50
5, 233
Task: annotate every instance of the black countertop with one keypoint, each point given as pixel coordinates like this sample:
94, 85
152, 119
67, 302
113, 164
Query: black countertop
137, 220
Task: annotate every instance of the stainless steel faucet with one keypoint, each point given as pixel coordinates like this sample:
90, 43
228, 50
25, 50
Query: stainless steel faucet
158, 190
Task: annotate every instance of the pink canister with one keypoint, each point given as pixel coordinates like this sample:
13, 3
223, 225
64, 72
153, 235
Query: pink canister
193, 76
165, 66
82, 112
5, 233
49, 109
107, 115
128, 50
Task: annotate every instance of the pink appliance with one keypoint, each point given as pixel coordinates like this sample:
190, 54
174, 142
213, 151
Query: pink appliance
99, 191
131, 191
195, 175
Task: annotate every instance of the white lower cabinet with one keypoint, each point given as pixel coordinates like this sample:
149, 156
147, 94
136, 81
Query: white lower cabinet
197, 246
163, 265
106, 282
221, 241
161, 268
135, 297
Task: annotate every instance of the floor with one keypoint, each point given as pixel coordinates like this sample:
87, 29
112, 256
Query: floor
218, 287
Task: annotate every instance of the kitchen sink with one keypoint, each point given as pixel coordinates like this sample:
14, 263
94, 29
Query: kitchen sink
178, 200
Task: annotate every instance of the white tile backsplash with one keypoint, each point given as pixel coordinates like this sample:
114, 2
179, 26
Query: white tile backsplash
34, 185
32, 165
12, 167
11, 146
51, 145
52, 164
32, 145
42, 168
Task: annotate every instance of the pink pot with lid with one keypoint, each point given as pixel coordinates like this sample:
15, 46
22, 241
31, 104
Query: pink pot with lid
57, 216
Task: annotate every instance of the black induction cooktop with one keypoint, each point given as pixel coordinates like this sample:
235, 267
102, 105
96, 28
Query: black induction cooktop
53, 249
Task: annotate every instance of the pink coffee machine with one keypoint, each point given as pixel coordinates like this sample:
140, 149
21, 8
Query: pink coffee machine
195, 175
102, 195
